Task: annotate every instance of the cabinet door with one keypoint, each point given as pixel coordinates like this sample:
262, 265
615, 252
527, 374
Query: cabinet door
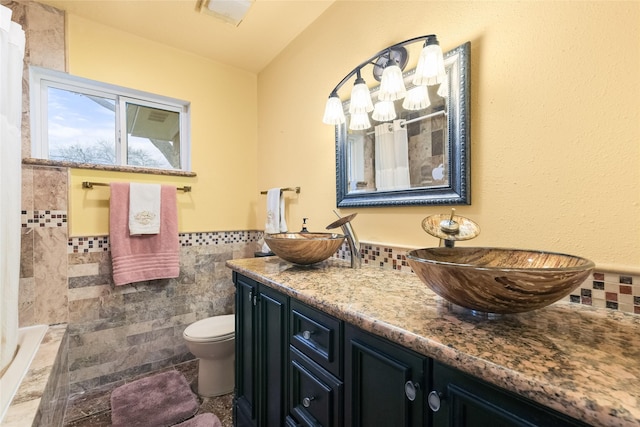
460, 400
245, 409
273, 343
384, 383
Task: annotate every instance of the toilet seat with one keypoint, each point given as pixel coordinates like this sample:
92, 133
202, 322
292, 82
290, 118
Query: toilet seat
211, 329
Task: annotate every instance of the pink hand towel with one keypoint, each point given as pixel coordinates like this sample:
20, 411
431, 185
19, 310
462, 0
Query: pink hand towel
144, 257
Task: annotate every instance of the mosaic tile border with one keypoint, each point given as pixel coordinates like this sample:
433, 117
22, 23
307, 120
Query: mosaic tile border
43, 218
607, 290
101, 243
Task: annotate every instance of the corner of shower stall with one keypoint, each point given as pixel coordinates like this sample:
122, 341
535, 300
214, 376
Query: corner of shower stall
35, 387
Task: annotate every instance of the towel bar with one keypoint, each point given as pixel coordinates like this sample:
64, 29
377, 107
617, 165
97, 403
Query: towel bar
90, 185
296, 189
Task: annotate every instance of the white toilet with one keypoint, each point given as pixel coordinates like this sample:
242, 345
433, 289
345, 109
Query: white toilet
212, 341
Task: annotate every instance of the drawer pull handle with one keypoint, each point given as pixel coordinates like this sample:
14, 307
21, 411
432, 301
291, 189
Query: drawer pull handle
434, 399
411, 390
306, 402
307, 334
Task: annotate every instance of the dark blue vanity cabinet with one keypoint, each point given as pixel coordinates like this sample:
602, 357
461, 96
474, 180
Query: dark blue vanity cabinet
261, 354
316, 388
460, 400
385, 383
298, 366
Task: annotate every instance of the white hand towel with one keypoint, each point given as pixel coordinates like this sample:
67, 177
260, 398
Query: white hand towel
275, 222
283, 223
144, 208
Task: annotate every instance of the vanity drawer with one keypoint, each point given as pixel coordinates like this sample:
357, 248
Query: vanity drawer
315, 396
317, 335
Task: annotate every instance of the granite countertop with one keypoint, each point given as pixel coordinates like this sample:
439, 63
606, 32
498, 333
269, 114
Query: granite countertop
578, 360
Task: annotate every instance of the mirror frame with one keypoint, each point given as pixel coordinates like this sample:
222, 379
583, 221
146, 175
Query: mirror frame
458, 191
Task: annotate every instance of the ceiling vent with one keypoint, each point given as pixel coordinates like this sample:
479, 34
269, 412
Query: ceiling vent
231, 11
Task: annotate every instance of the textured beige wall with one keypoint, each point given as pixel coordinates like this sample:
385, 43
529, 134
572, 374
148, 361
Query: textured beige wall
555, 122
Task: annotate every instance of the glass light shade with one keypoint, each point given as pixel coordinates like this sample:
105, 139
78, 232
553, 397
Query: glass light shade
384, 111
360, 99
417, 98
430, 69
333, 112
359, 121
392, 84
443, 90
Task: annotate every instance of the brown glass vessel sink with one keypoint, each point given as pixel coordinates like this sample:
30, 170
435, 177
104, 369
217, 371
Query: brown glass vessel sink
304, 248
496, 280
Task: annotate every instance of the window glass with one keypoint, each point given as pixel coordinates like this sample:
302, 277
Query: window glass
153, 137
84, 121
81, 128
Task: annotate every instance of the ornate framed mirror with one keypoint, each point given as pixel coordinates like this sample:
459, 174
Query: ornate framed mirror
420, 157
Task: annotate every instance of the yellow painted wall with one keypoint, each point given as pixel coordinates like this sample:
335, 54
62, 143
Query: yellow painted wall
223, 128
555, 121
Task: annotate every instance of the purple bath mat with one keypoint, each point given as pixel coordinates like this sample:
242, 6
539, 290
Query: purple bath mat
161, 400
202, 420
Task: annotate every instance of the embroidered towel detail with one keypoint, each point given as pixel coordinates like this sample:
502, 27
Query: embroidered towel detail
143, 257
144, 208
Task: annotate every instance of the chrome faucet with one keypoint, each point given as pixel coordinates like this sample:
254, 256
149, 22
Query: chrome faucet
352, 239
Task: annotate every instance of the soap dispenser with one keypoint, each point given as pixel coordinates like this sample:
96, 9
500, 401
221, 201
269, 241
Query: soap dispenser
304, 225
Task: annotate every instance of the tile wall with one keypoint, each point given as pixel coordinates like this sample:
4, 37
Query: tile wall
116, 333
42, 395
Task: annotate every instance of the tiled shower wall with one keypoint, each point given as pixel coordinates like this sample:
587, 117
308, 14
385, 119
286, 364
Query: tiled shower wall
43, 265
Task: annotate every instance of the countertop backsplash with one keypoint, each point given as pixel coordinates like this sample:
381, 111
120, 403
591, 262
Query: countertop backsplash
616, 291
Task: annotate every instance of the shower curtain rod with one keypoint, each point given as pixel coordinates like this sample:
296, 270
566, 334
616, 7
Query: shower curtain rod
426, 116
89, 185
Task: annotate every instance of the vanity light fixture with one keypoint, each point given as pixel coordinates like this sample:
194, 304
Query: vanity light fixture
430, 70
417, 98
392, 83
333, 112
359, 121
443, 90
387, 68
384, 111
360, 97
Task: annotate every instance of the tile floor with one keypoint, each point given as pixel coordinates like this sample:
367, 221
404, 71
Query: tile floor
92, 409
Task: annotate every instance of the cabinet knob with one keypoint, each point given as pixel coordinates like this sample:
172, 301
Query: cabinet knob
307, 334
306, 402
411, 390
434, 400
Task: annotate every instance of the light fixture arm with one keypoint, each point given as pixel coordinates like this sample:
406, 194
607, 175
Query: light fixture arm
371, 61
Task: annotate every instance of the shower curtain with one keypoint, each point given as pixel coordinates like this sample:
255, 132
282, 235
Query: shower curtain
392, 156
12, 42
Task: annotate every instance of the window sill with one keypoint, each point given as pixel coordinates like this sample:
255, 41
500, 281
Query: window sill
130, 169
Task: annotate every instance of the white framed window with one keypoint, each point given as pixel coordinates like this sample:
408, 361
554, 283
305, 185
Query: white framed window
79, 120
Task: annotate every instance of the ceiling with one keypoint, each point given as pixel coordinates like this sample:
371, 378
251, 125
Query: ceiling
268, 27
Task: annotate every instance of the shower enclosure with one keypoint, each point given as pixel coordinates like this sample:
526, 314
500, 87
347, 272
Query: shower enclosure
12, 44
